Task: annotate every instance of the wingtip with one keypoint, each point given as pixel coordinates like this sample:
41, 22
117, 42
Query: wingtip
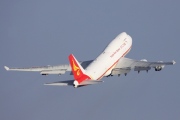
47, 84
174, 62
7, 68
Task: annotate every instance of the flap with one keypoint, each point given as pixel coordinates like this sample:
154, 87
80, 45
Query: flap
118, 71
137, 68
53, 72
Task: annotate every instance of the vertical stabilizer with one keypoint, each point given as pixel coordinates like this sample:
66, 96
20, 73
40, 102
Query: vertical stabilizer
77, 70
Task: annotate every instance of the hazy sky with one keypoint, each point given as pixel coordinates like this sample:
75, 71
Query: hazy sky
45, 32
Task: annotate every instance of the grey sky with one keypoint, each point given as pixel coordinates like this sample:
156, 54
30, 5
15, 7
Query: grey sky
44, 32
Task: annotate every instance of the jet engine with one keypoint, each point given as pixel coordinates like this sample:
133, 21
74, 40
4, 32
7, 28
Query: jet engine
159, 68
144, 60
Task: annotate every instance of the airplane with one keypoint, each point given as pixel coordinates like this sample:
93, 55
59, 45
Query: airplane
111, 61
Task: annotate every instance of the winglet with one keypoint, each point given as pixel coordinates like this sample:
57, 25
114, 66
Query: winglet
7, 68
174, 62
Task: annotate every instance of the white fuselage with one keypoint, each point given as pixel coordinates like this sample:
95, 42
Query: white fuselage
106, 61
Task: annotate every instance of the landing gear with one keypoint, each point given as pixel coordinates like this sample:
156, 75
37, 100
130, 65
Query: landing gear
109, 75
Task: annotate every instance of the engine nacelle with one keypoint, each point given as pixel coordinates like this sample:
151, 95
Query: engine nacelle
159, 68
144, 60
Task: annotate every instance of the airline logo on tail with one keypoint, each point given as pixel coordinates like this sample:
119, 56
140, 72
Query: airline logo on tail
75, 68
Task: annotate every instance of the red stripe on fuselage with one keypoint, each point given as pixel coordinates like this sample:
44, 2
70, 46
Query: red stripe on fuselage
114, 63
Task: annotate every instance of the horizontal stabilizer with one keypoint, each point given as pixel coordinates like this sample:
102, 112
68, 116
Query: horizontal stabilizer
70, 83
90, 82
61, 83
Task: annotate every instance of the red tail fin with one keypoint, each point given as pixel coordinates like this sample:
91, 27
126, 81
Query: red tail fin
78, 71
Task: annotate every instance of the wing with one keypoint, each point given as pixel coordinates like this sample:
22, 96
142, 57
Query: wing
125, 65
45, 70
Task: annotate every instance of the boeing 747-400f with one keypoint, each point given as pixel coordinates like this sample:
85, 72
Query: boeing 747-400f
110, 62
